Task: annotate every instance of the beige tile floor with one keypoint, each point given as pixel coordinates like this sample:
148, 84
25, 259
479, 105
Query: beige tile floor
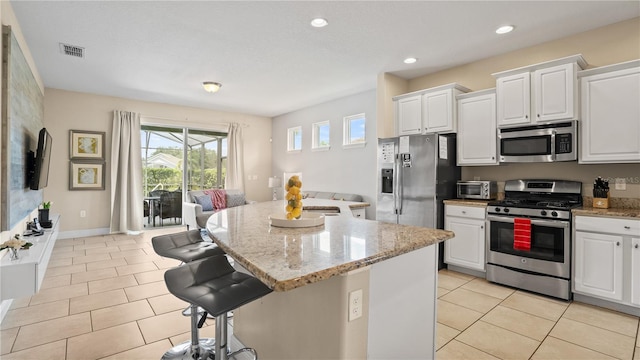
481, 320
104, 297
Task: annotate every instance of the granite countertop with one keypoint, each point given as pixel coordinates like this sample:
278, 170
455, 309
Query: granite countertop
467, 202
610, 212
287, 258
326, 204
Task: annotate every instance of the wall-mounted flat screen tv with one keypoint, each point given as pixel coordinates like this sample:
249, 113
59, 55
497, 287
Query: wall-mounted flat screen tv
40, 172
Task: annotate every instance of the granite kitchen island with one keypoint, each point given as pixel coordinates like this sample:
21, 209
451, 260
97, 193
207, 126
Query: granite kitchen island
314, 271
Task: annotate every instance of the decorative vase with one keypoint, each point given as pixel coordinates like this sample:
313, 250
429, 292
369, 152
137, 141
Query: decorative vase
43, 215
13, 254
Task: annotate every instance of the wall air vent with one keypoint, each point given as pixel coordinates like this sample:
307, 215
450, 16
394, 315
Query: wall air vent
72, 50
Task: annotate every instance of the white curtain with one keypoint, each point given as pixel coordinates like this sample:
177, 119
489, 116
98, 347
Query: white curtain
235, 164
126, 173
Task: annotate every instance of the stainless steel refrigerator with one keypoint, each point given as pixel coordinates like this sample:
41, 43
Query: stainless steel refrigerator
415, 174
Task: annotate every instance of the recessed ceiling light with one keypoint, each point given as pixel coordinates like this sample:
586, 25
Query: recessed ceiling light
319, 22
211, 86
410, 60
504, 29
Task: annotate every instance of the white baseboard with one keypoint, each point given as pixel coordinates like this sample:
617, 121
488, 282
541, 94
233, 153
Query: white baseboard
83, 233
4, 307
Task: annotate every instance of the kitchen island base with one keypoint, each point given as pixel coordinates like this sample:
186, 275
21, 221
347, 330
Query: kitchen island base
311, 322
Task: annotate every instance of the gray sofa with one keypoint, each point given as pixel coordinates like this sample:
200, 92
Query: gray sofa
193, 214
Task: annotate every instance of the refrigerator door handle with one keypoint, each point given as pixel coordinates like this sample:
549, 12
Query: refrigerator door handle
400, 195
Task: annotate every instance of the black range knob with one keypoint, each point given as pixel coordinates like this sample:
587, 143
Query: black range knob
554, 214
506, 210
543, 212
497, 209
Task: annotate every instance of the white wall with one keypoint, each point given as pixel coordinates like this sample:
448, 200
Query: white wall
67, 110
8, 17
337, 170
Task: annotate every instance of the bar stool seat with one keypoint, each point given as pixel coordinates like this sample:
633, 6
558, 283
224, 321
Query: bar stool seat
214, 285
185, 246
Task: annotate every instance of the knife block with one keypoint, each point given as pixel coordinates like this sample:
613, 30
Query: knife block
601, 203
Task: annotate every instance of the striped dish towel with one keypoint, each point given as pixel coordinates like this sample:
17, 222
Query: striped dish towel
522, 234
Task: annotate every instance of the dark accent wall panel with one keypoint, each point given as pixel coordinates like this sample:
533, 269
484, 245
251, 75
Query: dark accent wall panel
22, 119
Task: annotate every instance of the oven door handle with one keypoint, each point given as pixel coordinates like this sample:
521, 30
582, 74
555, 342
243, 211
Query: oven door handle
540, 222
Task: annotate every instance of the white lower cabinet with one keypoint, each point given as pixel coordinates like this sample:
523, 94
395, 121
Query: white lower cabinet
467, 248
358, 213
606, 259
635, 271
599, 264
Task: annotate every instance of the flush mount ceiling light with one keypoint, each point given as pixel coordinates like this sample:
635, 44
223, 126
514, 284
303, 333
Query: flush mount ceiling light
410, 60
504, 29
319, 22
211, 86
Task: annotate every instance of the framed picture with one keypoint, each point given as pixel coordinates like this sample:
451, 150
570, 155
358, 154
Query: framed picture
86, 145
86, 175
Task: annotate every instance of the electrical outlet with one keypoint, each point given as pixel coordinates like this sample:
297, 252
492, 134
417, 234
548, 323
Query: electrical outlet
355, 304
83, 213
621, 184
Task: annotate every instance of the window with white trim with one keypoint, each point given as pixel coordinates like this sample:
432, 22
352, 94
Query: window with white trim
321, 139
354, 131
294, 139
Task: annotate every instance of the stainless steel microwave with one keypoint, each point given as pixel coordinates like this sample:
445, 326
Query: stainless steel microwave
484, 190
539, 143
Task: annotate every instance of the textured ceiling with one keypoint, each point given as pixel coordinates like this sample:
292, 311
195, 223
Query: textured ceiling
268, 58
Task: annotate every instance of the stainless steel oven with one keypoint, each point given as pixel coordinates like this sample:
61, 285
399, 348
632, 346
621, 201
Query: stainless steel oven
544, 265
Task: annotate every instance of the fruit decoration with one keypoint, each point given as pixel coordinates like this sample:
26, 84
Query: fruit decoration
294, 197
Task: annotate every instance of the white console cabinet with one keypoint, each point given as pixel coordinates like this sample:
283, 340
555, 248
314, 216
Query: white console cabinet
467, 248
23, 277
606, 259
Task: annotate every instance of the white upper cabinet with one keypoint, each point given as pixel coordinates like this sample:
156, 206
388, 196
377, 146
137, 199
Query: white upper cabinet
409, 116
428, 111
537, 94
610, 121
514, 99
556, 92
477, 135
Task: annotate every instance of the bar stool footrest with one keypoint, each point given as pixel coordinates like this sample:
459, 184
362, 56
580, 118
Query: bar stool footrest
182, 351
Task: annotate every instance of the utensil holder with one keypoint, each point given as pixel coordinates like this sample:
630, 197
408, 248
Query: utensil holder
601, 203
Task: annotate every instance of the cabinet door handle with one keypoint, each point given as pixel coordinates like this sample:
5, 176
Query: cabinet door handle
628, 227
526, 116
635, 246
464, 212
617, 243
482, 227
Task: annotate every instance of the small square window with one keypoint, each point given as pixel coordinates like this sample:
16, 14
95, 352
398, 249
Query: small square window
354, 131
294, 139
321, 138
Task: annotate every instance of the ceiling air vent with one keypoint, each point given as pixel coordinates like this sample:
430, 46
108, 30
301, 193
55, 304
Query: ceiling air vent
72, 50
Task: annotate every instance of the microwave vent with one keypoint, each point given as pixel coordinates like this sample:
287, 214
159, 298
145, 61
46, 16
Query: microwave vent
72, 50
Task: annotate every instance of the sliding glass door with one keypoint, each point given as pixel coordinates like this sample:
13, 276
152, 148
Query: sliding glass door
175, 160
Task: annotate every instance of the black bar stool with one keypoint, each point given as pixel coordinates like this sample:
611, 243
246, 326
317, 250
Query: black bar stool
185, 246
214, 285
